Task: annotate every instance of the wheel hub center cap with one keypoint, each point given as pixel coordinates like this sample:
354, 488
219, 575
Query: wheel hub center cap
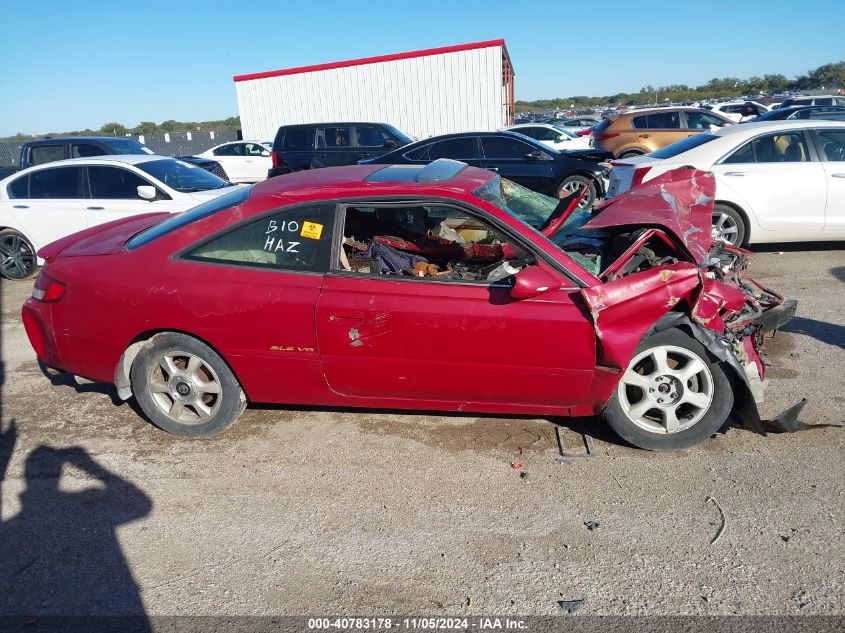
181, 389
665, 390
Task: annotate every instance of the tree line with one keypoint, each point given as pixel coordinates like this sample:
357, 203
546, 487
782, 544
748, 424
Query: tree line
828, 77
144, 127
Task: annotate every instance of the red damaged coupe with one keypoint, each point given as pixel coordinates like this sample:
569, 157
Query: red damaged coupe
439, 287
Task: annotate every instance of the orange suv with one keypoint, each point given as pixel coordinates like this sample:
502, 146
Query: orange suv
642, 131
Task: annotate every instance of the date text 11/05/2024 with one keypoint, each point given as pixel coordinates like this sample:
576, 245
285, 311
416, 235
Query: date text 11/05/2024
419, 623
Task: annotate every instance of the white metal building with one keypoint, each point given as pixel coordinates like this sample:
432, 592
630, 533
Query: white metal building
461, 88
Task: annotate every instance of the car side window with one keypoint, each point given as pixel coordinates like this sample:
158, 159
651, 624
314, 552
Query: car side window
664, 121
224, 150
461, 148
533, 132
84, 150
297, 239
253, 149
639, 122
744, 154
702, 121
833, 144
57, 183
46, 154
297, 138
545, 134
499, 147
437, 242
371, 136
19, 188
781, 148
421, 153
114, 183
333, 137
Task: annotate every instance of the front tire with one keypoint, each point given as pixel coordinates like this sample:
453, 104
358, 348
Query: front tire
17, 256
671, 396
184, 387
728, 225
573, 184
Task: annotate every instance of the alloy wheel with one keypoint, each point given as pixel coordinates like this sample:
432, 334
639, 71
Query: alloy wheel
666, 389
185, 387
17, 259
725, 228
575, 186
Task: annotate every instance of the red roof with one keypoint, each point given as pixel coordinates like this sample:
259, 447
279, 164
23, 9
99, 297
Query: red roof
373, 60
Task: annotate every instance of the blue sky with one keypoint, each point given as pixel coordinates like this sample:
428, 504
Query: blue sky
71, 65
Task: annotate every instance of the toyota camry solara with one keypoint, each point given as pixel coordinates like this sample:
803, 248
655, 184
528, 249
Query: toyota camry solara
437, 287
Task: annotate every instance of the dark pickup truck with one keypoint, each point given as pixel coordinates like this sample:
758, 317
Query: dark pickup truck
51, 149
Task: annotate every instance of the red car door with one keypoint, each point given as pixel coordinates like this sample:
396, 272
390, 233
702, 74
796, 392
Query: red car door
432, 340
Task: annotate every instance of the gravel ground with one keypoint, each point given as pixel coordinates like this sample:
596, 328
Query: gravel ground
295, 511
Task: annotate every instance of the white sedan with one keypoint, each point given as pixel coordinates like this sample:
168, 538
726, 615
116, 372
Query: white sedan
776, 181
734, 110
244, 161
47, 202
552, 136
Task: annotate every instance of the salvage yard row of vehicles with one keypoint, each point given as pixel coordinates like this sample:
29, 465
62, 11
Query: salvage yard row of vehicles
384, 273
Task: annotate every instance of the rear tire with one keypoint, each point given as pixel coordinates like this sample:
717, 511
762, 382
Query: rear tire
572, 184
729, 225
671, 396
631, 152
184, 387
17, 256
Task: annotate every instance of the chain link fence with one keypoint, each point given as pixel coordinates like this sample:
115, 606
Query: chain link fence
166, 144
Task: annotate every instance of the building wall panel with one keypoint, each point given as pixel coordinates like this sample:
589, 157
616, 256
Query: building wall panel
433, 94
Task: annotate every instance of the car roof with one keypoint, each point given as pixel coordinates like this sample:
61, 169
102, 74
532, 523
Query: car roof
358, 178
333, 123
109, 159
666, 109
101, 139
755, 127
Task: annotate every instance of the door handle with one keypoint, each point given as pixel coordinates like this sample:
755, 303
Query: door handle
734, 173
644, 135
834, 175
352, 316
95, 208
20, 206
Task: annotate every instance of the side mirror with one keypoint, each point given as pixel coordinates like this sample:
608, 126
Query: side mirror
533, 281
390, 144
265, 152
147, 192
535, 155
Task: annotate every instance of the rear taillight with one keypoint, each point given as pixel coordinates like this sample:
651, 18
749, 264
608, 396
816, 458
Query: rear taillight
47, 289
275, 159
639, 175
603, 136
586, 132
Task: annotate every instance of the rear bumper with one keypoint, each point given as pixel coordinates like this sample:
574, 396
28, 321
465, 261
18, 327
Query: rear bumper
38, 323
778, 316
277, 171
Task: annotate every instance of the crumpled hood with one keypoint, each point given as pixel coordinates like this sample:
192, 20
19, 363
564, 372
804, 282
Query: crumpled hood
679, 201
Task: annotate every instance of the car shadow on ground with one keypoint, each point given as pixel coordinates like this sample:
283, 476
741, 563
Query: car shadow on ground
838, 272
829, 333
791, 247
60, 554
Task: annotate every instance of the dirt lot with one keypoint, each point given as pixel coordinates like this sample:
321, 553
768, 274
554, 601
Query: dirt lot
338, 512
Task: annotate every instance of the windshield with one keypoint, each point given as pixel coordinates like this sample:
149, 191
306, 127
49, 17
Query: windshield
534, 209
127, 146
178, 220
182, 176
670, 151
400, 135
